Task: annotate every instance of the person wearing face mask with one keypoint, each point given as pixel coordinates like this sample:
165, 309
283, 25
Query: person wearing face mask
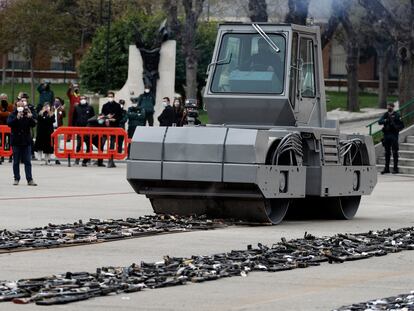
74, 96
81, 114
5, 110
392, 125
59, 111
167, 117
122, 122
135, 117
146, 101
24, 97
21, 121
45, 120
178, 113
112, 112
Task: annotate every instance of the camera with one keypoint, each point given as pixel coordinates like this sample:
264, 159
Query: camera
192, 112
25, 111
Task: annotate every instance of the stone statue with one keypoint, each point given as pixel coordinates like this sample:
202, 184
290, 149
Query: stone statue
151, 56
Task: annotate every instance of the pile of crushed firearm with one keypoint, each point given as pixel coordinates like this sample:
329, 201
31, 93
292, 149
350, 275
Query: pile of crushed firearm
96, 231
401, 302
171, 271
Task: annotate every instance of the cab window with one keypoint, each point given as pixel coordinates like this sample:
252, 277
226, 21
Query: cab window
248, 64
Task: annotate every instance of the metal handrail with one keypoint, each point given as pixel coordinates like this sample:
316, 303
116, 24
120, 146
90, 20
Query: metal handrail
406, 105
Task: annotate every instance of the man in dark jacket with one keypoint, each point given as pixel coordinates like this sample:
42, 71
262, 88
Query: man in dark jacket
21, 121
146, 101
167, 117
82, 113
112, 112
392, 125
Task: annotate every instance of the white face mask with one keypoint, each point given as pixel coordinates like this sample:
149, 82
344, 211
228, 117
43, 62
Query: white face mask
20, 109
164, 104
146, 90
83, 101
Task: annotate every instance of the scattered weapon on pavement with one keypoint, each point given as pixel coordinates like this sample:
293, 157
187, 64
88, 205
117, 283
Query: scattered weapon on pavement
96, 231
401, 302
172, 271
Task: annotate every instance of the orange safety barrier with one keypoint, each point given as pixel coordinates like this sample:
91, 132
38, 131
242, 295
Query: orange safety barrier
5, 147
90, 142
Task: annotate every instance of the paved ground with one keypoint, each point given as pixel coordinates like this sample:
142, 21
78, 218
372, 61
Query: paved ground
68, 194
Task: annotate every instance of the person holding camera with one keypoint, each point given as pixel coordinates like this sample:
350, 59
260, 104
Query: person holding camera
59, 111
21, 122
392, 125
45, 120
46, 95
167, 116
74, 96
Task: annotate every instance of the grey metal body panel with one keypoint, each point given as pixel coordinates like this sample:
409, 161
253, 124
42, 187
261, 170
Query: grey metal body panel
333, 181
234, 155
150, 143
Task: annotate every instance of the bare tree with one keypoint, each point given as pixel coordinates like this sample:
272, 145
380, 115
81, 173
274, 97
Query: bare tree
397, 20
23, 27
192, 9
298, 12
258, 10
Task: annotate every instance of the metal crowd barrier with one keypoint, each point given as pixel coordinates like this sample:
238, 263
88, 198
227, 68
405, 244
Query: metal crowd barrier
90, 143
5, 147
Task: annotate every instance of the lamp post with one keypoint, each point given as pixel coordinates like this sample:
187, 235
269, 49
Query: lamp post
108, 32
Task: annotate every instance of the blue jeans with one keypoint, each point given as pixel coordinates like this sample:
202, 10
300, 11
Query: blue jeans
23, 153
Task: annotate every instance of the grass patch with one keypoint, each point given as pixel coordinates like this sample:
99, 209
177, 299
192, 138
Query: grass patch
336, 100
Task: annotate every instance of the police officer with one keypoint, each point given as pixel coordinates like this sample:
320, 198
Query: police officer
392, 125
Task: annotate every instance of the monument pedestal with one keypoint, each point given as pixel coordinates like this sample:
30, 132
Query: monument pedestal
134, 86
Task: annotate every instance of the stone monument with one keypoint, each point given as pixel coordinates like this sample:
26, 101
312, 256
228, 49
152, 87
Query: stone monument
154, 67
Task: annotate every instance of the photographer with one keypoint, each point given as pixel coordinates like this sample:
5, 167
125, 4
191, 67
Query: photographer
392, 125
21, 121
74, 96
46, 95
45, 121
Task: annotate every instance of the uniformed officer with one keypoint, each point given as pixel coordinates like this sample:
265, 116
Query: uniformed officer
392, 125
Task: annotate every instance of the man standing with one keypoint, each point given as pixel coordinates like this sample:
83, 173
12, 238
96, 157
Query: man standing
167, 117
112, 112
81, 114
146, 101
21, 121
392, 125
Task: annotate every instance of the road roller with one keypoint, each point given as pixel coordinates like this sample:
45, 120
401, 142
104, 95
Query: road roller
268, 146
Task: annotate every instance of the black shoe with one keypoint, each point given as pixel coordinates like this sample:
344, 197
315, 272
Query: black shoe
385, 171
395, 171
77, 162
101, 165
84, 164
57, 162
111, 164
10, 160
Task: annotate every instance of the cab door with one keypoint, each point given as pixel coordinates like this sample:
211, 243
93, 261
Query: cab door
306, 107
